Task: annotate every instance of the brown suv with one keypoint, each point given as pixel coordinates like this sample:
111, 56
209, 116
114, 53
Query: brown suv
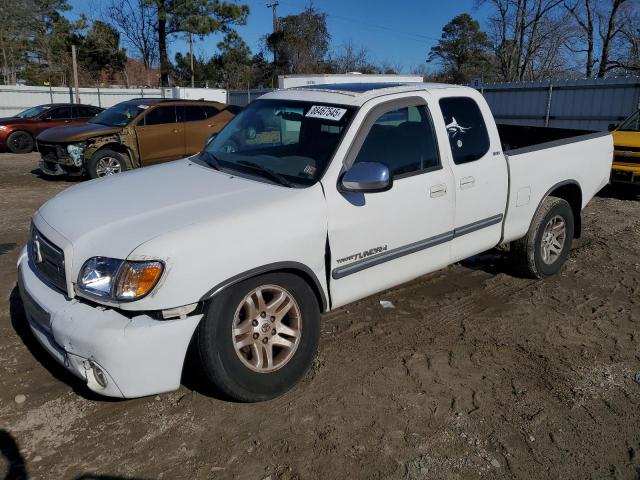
132, 134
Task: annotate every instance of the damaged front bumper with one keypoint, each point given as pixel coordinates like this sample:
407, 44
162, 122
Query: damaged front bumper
116, 355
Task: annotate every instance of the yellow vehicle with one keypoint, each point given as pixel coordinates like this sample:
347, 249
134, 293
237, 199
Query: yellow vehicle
626, 154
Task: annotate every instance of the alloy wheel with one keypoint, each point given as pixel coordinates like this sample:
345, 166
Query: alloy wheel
267, 327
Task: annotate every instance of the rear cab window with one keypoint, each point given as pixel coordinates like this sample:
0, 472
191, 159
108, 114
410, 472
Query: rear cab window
466, 129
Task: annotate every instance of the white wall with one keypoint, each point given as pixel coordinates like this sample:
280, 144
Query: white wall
15, 98
211, 94
289, 81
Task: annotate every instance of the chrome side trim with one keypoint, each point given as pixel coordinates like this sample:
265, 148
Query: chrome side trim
399, 252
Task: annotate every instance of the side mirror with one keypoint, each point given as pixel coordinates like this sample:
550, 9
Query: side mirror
366, 177
47, 118
612, 127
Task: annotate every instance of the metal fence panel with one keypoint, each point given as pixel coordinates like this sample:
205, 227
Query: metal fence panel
15, 98
242, 98
579, 104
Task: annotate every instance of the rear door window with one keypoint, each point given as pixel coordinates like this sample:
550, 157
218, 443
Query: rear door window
210, 111
59, 113
467, 131
194, 113
161, 116
84, 112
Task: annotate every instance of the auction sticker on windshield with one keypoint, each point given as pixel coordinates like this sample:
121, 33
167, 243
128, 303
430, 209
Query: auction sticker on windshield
326, 113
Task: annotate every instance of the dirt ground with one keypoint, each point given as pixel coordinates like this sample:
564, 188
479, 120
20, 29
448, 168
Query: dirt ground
473, 374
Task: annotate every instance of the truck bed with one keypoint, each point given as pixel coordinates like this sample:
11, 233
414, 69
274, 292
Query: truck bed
515, 137
582, 161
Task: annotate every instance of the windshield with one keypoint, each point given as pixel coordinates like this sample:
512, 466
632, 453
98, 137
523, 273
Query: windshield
631, 124
33, 111
119, 115
289, 142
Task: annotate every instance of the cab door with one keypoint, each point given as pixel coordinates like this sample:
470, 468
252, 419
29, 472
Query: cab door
197, 128
160, 135
480, 174
379, 240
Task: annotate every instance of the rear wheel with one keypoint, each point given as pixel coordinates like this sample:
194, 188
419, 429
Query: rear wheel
107, 162
20, 142
545, 248
259, 337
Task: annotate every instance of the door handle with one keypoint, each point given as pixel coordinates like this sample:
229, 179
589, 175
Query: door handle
438, 190
176, 130
467, 182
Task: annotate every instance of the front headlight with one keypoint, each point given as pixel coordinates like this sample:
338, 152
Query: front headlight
76, 152
119, 280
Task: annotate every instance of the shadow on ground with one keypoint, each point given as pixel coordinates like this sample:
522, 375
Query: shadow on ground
14, 467
621, 192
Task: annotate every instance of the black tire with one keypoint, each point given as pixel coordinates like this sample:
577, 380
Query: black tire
221, 365
122, 159
527, 252
20, 142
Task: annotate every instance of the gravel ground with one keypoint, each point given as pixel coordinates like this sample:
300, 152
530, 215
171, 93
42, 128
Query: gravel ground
474, 374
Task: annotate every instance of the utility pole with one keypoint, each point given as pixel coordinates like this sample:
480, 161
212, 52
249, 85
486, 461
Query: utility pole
273, 6
191, 57
75, 72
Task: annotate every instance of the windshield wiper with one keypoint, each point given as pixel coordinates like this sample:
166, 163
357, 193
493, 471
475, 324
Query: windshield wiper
274, 175
212, 160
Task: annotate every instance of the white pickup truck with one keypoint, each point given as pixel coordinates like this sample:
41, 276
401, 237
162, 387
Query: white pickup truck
307, 200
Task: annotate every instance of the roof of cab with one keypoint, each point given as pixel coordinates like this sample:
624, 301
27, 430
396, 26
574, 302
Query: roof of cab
352, 94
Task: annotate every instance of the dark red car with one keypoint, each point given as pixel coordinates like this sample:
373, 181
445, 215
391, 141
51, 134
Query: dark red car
18, 133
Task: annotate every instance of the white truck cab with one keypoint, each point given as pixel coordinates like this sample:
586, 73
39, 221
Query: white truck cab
309, 199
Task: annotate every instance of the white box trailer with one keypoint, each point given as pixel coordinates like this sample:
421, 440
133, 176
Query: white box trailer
289, 81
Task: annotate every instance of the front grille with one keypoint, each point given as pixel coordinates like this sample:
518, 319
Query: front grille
49, 261
51, 152
625, 159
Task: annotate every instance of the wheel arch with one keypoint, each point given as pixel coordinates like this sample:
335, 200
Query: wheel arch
295, 268
116, 147
571, 192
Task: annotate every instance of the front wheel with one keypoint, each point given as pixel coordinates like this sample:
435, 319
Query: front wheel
544, 250
259, 337
107, 162
20, 142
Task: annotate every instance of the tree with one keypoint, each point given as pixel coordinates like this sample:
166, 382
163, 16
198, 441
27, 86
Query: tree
233, 63
301, 43
48, 43
528, 36
462, 49
604, 34
17, 22
199, 17
136, 21
100, 53
353, 59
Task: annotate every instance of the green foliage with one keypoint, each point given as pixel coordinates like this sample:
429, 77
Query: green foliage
302, 42
463, 50
100, 52
199, 17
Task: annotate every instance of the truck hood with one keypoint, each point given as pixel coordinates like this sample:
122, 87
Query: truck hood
76, 133
112, 216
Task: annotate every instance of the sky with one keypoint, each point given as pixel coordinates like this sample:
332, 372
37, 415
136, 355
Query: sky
399, 33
